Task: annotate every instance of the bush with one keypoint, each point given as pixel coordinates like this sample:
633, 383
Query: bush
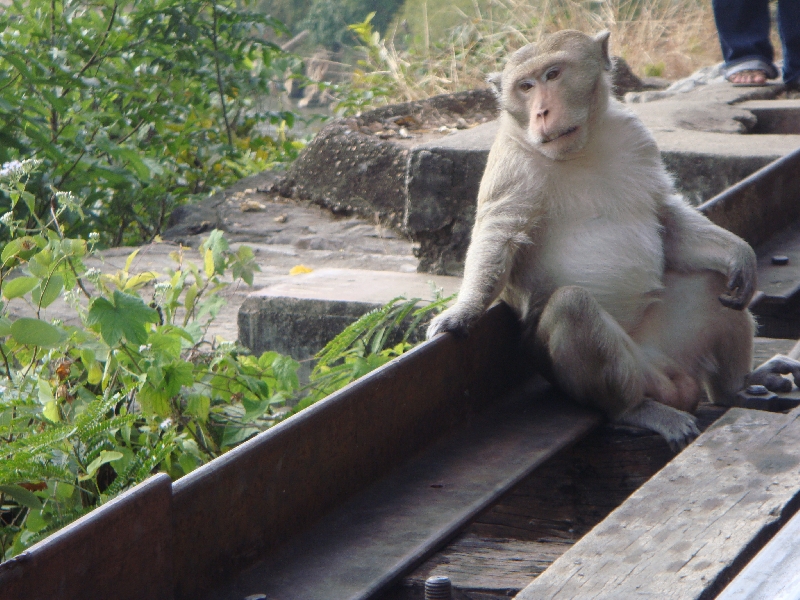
136, 105
89, 410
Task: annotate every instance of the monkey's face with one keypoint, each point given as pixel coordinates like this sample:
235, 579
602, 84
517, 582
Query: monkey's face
555, 91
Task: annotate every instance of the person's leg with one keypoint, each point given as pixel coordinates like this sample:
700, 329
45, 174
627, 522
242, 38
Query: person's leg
743, 27
789, 28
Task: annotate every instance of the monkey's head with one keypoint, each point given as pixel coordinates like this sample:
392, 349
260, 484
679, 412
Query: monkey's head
555, 90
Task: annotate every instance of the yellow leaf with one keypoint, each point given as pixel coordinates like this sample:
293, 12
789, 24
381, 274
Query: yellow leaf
299, 270
51, 412
95, 374
208, 261
139, 280
129, 261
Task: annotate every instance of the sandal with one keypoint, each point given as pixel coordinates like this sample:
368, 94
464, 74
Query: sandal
754, 64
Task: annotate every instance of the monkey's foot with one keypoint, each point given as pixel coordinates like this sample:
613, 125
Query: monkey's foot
677, 427
770, 374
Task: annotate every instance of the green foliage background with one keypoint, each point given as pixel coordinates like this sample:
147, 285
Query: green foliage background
136, 105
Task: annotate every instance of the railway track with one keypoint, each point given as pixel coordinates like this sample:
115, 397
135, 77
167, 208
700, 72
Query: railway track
351, 497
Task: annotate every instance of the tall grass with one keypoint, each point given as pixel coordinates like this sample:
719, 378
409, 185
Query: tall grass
440, 46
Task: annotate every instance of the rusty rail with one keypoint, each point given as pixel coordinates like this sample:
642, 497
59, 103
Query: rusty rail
197, 538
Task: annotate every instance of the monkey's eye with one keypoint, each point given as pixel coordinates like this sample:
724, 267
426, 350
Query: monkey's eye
526, 86
552, 74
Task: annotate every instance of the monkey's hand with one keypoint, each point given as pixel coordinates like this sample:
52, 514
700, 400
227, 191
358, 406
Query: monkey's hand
770, 374
457, 320
741, 278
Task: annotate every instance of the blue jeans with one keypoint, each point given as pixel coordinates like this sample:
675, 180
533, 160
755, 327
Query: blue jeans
743, 27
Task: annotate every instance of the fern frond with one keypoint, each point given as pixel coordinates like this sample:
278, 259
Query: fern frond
366, 323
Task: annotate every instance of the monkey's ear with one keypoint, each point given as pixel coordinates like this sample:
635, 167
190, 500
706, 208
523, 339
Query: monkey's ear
602, 39
496, 81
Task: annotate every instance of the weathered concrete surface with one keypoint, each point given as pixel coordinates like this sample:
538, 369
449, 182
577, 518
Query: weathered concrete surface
299, 316
357, 165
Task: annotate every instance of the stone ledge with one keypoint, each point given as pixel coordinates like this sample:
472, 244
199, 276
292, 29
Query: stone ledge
300, 316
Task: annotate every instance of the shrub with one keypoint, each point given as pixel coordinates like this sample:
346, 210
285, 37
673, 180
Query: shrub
135, 105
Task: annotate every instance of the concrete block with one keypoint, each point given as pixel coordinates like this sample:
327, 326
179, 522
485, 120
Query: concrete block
300, 316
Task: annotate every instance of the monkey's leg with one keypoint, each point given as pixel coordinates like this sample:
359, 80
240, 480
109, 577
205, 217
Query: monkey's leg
597, 363
691, 327
733, 358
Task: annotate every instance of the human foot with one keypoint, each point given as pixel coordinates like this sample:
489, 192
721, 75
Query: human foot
751, 72
748, 77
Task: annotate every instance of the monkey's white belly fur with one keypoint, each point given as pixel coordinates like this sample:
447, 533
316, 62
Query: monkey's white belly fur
620, 263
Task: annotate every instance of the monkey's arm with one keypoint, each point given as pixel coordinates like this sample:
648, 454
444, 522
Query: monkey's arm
692, 243
501, 227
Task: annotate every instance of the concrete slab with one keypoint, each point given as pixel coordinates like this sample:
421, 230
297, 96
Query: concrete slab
775, 116
298, 317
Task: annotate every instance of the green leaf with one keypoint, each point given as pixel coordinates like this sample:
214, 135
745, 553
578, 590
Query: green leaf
52, 289
5, 326
254, 409
125, 317
214, 248
166, 344
20, 286
35, 332
187, 462
198, 405
45, 391
22, 247
95, 373
285, 368
106, 456
35, 521
22, 496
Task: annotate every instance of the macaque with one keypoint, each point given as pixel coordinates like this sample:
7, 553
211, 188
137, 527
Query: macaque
632, 301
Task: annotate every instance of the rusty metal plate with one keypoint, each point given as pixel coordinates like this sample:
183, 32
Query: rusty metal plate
246, 504
122, 550
762, 204
390, 527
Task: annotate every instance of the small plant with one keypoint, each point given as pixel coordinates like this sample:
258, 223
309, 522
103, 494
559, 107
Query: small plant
370, 342
654, 70
91, 408
373, 81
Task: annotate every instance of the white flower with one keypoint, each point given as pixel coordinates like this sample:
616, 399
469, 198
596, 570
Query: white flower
165, 424
15, 169
67, 200
12, 168
93, 275
94, 237
72, 297
7, 219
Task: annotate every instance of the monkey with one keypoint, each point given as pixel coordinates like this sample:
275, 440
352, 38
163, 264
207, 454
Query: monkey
630, 300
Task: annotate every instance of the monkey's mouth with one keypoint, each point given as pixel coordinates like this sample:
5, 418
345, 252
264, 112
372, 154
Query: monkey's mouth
565, 133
